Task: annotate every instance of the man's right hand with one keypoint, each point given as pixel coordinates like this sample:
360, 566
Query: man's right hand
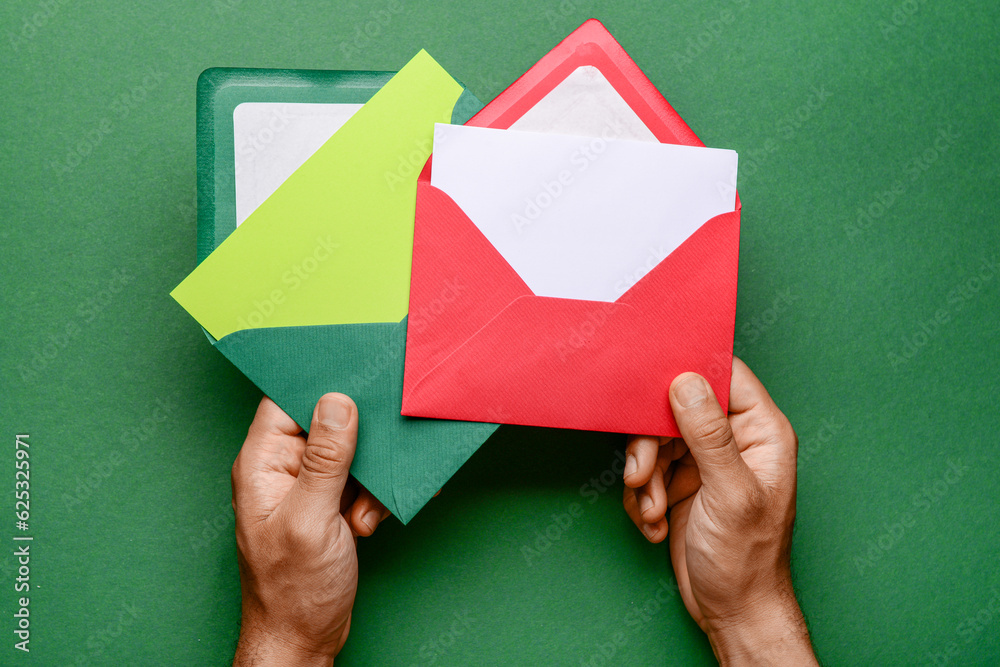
730, 489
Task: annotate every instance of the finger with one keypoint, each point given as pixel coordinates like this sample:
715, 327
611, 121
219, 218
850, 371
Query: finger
270, 425
746, 392
678, 547
367, 513
655, 532
272, 420
351, 492
684, 482
754, 413
640, 457
706, 430
679, 449
326, 461
272, 446
652, 497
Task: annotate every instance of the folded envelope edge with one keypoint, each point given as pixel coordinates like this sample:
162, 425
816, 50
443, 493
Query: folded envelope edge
239, 343
423, 403
621, 71
404, 506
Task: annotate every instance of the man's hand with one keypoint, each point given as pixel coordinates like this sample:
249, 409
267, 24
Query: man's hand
730, 489
298, 515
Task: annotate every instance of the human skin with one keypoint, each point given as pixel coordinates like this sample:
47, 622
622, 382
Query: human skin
298, 517
729, 486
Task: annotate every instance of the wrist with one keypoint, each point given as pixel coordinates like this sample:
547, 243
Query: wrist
771, 630
259, 646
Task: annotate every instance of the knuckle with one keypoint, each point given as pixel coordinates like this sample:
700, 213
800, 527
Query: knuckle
325, 458
714, 431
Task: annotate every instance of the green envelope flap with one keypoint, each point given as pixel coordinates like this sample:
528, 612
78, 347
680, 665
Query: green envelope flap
403, 461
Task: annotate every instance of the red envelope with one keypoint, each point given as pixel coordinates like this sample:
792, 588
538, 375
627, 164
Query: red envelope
481, 346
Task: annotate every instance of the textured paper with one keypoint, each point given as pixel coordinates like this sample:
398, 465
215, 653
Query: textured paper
402, 461
584, 103
574, 216
346, 258
273, 139
496, 351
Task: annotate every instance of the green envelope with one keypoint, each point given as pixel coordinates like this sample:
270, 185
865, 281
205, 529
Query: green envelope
309, 294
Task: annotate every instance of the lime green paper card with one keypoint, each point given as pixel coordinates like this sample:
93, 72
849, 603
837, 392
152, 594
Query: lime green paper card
295, 261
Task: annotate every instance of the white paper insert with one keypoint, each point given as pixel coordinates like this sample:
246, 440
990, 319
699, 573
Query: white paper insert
581, 217
272, 140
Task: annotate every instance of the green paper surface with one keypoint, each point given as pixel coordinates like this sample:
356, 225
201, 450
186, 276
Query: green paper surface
403, 461
856, 231
332, 245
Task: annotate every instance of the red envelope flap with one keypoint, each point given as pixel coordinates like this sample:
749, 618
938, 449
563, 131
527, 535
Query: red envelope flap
592, 354
467, 370
461, 300
590, 44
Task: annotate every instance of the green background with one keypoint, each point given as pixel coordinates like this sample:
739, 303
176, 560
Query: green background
875, 332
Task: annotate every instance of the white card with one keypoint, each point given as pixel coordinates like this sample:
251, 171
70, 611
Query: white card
272, 140
577, 217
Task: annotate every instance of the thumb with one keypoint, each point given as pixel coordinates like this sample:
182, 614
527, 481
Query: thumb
707, 433
326, 461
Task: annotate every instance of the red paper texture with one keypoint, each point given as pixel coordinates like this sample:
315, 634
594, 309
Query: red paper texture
481, 347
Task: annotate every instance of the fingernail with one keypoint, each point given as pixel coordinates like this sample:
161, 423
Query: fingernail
334, 413
648, 530
645, 502
631, 466
691, 392
371, 520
